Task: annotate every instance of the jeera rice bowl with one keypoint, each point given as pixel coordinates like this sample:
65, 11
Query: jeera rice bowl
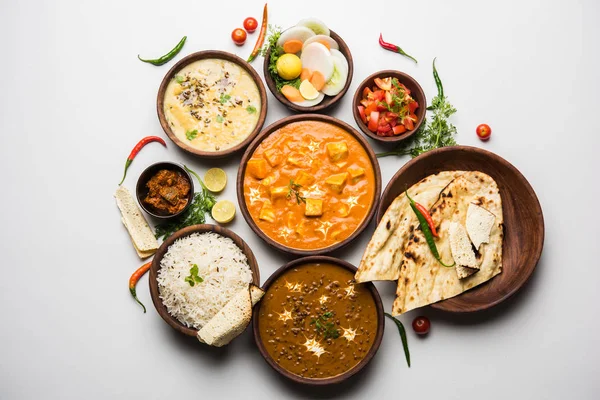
195, 297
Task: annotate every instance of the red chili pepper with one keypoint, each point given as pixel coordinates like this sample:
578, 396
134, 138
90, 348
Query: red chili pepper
135, 278
137, 148
428, 218
394, 48
261, 36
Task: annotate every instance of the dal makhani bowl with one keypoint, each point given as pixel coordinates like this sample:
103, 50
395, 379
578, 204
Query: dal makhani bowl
314, 324
212, 103
308, 184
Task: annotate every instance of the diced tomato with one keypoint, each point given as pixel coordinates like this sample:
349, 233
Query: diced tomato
381, 106
361, 112
366, 92
398, 129
378, 95
412, 106
409, 121
394, 122
374, 121
388, 98
383, 84
365, 102
384, 128
391, 116
370, 108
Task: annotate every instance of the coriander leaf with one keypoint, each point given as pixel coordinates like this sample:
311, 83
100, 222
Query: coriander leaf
224, 98
194, 270
189, 280
251, 109
219, 118
191, 135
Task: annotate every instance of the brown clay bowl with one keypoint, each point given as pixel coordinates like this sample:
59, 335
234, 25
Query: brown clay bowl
523, 219
201, 55
416, 92
327, 101
264, 134
141, 191
338, 378
158, 304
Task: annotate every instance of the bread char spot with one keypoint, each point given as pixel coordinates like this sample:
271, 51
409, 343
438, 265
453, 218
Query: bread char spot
388, 225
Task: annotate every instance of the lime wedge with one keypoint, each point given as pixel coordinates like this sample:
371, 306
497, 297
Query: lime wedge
215, 179
223, 212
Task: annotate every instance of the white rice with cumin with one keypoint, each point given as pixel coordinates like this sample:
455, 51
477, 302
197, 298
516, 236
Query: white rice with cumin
221, 264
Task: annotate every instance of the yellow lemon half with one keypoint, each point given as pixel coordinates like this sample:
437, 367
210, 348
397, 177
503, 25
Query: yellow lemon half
223, 211
308, 91
215, 179
289, 66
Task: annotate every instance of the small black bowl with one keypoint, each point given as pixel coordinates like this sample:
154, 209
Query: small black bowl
141, 191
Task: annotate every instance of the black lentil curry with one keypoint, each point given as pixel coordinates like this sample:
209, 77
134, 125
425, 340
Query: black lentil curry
316, 322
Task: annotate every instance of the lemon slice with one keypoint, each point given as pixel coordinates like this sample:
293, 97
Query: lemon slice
223, 212
308, 91
215, 179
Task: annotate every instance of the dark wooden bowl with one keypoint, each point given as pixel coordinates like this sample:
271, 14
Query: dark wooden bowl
141, 191
264, 134
334, 379
158, 304
416, 92
327, 101
201, 55
523, 219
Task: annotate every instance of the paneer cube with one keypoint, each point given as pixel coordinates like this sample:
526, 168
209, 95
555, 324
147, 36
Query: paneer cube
336, 182
301, 228
337, 151
314, 208
274, 157
304, 179
278, 192
297, 160
268, 181
337, 234
267, 212
355, 172
258, 168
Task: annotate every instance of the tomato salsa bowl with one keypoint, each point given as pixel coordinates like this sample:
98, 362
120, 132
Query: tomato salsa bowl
315, 325
308, 184
377, 113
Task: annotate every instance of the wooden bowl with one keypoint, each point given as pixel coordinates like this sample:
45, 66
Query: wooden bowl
523, 219
416, 92
141, 191
327, 101
334, 379
272, 128
158, 304
201, 55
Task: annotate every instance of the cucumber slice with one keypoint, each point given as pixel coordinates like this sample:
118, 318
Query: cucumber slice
338, 78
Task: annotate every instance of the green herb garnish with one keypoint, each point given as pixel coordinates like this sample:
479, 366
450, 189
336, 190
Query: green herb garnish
219, 118
402, 332
224, 98
294, 190
433, 133
193, 278
327, 329
202, 204
251, 109
191, 135
276, 52
179, 79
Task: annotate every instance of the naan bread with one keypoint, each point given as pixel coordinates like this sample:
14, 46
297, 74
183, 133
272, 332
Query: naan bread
383, 256
422, 279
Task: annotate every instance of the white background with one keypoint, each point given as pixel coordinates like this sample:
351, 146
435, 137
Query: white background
74, 100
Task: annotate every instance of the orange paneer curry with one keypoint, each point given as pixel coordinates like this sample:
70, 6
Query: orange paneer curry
309, 185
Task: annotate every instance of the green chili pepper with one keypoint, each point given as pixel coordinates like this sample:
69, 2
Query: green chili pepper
438, 81
402, 332
427, 232
167, 57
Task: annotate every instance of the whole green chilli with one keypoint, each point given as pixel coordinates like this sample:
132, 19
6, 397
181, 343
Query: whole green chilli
402, 332
167, 57
438, 81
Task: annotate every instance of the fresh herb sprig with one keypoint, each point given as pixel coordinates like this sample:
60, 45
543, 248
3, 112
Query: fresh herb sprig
433, 133
402, 332
276, 52
191, 135
193, 278
294, 190
325, 327
202, 204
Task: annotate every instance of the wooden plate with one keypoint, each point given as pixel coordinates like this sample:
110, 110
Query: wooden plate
202, 55
523, 219
338, 378
327, 101
158, 304
415, 90
272, 128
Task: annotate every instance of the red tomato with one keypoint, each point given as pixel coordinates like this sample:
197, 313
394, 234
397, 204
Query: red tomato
383, 84
361, 112
378, 95
412, 106
383, 129
381, 106
421, 325
366, 92
484, 131
390, 116
398, 129
374, 121
238, 36
250, 24
408, 122
370, 108
388, 98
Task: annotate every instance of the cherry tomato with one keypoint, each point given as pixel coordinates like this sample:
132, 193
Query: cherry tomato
421, 325
238, 36
484, 131
250, 24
